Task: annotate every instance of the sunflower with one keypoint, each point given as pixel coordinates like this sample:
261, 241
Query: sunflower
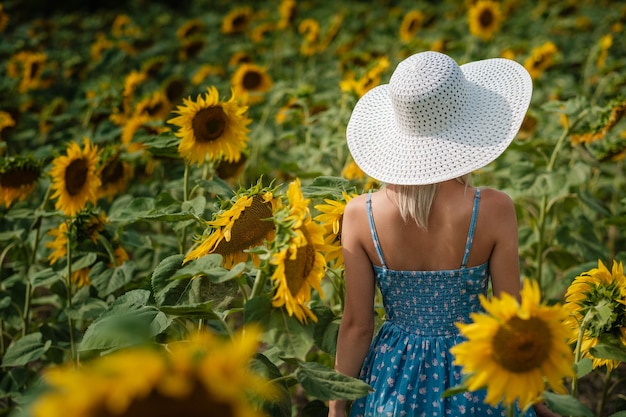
6, 120
28, 67
237, 20
189, 29
85, 227
411, 23
353, 172
210, 128
513, 347
188, 378
4, 19
331, 218
205, 71
592, 291
605, 43
310, 29
239, 58
484, 19
287, 11
250, 81
191, 47
230, 171
114, 174
74, 178
540, 59
18, 177
99, 46
243, 223
298, 263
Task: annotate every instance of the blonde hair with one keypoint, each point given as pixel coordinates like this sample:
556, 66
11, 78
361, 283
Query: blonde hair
415, 201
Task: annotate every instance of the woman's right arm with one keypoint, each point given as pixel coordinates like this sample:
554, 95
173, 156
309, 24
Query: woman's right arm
357, 324
504, 260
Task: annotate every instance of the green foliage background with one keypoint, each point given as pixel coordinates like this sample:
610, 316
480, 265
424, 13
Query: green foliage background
570, 197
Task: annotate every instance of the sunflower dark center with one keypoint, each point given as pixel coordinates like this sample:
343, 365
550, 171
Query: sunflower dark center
192, 48
249, 229
251, 80
209, 124
199, 404
34, 69
486, 18
414, 25
297, 270
174, 90
76, 176
522, 345
240, 23
112, 172
19, 177
154, 109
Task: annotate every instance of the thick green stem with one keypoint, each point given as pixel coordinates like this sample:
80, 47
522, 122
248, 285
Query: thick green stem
183, 239
578, 349
543, 208
68, 290
259, 284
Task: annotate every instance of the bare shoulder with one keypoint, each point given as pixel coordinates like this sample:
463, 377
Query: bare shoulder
356, 207
497, 212
496, 201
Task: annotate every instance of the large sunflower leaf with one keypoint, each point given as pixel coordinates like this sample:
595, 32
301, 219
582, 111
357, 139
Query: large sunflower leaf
128, 321
327, 384
107, 280
25, 349
286, 336
326, 329
196, 285
566, 405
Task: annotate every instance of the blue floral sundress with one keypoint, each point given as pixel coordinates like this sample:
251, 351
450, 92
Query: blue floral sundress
409, 364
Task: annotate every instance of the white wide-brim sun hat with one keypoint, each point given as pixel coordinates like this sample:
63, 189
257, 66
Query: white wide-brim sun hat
436, 120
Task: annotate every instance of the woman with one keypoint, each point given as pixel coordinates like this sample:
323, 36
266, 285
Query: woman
434, 242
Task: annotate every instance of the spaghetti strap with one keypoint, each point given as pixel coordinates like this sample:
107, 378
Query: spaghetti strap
470, 233
370, 217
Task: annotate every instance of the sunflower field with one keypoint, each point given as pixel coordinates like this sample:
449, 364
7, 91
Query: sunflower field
173, 177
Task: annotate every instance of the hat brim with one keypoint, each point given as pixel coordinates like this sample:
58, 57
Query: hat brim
499, 92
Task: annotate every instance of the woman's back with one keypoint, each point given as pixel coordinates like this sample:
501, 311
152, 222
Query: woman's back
407, 247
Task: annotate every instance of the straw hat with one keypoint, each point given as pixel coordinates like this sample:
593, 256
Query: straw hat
436, 120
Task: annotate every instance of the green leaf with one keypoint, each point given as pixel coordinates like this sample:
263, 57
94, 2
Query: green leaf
195, 286
257, 310
84, 262
216, 186
26, 349
456, 390
88, 310
107, 280
326, 329
45, 277
128, 321
164, 145
608, 351
280, 406
619, 414
195, 206
583, 367
566, 405
286, 336
326, 187
327, 384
